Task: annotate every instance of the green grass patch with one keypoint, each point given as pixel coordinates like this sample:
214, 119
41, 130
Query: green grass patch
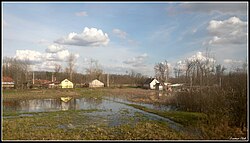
184, 118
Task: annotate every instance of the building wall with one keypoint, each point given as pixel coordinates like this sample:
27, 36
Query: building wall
8, 84
152, 84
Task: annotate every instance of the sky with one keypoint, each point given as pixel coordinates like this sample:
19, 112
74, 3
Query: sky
124, 36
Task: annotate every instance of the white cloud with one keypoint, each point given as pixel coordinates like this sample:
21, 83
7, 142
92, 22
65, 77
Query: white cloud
138, 61
89, 37
181, 65
58, 56
43, 61
200, 57
230, 31
54, 48
120, 33
82, 13
28, 55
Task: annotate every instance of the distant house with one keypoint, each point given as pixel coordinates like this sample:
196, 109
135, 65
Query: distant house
8, 82
66, 84
152, 83
54, 84
96, 83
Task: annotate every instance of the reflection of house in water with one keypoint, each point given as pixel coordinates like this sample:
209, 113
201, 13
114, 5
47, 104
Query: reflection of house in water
67, 103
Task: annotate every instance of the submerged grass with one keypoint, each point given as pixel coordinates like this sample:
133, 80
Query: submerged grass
75, 125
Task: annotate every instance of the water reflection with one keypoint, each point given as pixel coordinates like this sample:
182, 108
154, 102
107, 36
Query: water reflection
114, 111
43, 105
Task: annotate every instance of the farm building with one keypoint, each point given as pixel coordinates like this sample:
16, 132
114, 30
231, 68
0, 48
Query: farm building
66, 84
8, 82
152, 83
96, 83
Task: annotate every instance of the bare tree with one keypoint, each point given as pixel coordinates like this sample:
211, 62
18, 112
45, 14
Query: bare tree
18, 70
71, 65
162, 71
57, 68
94, 70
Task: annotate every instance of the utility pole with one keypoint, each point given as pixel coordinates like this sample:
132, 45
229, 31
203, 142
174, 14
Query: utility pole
33, 80
107, 80
52, 77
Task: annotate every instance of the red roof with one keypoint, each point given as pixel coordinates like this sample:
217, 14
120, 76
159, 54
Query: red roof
7, 79
42, 81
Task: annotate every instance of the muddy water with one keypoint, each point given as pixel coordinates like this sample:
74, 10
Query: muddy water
114, 111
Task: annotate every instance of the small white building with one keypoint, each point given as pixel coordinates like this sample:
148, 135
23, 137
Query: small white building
66, 84
152, 83
96, 83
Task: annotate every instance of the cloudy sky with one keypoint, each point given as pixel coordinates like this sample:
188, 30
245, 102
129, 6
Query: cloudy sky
124, 36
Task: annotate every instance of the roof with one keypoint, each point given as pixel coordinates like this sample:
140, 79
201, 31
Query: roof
42, 81
7, 79
65, 80
149, 80
177, 84
96, 81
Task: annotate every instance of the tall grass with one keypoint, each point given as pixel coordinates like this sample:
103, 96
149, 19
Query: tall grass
225, 106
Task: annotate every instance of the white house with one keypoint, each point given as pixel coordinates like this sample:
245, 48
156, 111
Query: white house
152, 83
96, 83
66, 84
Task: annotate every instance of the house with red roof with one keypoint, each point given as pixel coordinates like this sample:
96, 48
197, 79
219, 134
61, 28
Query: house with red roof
7, 82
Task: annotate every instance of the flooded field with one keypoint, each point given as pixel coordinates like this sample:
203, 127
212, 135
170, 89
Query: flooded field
89, 118
114, 110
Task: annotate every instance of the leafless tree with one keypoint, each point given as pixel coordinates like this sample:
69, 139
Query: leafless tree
94, 70
57, 68
18, 70
71, 65
162, 71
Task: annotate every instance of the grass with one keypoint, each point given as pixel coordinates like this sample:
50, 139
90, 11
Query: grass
184, 118
76, 125
76, 92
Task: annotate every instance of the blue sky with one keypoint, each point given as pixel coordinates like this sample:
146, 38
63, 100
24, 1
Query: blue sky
124, 36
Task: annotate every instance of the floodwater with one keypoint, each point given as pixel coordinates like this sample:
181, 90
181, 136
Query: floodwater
113, 111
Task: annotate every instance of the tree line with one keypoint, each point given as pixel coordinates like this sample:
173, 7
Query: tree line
22, 74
